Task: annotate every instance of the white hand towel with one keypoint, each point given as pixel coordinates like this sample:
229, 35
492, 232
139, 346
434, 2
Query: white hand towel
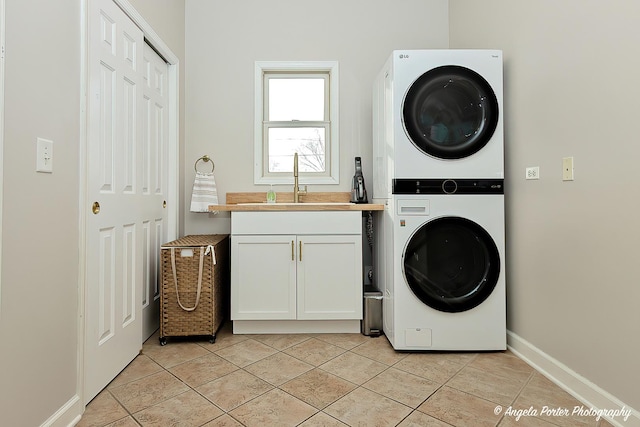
204, 192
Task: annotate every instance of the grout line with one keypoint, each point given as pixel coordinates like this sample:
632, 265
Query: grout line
352, 350
123, 407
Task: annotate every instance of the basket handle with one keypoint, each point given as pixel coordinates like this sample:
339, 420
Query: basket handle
175, 279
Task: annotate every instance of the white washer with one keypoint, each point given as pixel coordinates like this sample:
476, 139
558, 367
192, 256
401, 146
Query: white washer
438, 114
441, 263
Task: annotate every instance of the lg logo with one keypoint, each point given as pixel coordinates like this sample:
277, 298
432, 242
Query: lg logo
403, 56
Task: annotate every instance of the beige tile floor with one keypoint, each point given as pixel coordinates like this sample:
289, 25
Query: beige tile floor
324, 380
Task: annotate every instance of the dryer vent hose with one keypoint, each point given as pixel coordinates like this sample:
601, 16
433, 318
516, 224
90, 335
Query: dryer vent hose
370, 228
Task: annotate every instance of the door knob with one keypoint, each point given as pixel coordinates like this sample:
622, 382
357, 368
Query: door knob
95, 208
164, 203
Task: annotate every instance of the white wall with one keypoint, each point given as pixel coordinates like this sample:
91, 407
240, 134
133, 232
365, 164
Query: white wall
38, 316
225, 38
572, 84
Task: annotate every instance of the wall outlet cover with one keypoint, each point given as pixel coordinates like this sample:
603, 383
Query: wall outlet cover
532, 172
567, 168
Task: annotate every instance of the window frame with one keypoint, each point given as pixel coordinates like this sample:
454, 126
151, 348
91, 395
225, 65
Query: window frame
332, 143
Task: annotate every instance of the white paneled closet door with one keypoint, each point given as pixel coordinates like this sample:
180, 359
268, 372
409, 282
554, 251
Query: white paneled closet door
155, 124
126, 185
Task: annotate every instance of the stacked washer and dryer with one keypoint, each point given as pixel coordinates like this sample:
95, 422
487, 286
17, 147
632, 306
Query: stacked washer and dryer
439, 170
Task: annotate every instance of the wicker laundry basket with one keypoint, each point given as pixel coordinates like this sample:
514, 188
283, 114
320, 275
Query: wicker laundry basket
195, 285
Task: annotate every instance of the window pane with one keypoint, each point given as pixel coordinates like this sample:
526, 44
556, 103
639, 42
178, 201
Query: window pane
308, 142
296, 99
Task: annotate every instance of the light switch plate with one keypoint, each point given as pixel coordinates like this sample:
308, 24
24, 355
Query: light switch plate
567, 168
44, 155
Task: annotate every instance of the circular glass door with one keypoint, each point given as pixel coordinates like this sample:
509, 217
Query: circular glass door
450, 112
451, 264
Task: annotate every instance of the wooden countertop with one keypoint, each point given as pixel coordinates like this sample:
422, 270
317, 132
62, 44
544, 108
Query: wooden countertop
338, 201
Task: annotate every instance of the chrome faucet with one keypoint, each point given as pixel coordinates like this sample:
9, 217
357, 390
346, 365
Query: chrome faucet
296, 190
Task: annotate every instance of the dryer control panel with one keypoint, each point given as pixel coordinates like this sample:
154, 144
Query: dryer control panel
448, 186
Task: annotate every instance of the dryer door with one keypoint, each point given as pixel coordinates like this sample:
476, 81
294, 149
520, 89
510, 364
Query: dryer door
450, 112
451, 264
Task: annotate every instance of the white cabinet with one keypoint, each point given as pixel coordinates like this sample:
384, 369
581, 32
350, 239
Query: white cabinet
263, 277
329, 273
304, 267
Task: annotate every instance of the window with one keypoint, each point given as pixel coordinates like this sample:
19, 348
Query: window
296, 112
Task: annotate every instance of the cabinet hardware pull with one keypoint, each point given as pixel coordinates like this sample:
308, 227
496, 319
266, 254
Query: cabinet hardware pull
300, 250
293, 257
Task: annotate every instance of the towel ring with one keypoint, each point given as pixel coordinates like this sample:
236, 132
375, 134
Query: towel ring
205, 159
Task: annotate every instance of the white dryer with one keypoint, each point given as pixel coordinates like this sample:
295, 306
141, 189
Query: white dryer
442, 258
438, 114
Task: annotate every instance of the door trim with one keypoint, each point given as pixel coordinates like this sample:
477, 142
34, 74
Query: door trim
154, 40
2, 50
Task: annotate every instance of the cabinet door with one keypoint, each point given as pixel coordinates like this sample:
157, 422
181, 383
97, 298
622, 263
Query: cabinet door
329, 277
263, 277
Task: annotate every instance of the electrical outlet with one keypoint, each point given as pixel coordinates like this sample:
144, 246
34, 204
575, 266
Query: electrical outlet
567, 168
532, 172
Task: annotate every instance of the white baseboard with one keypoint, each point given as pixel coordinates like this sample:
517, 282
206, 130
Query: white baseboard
68, 415
570, 381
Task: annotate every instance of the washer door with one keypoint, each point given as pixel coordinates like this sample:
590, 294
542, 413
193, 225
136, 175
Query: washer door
451, 264
450, 112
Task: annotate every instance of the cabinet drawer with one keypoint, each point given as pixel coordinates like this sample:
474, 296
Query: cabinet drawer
307, 222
